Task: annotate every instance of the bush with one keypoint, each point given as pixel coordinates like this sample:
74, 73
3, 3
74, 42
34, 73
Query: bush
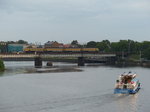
2, 67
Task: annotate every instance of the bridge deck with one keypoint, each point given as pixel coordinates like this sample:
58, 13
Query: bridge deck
74, 55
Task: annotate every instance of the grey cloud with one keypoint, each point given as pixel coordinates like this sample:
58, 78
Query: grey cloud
81, 18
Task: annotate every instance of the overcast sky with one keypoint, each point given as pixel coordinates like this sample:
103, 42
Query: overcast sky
67, 20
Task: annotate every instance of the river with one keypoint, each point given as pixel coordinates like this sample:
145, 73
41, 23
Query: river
89, 90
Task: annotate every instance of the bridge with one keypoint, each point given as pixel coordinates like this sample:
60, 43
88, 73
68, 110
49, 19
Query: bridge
38, 57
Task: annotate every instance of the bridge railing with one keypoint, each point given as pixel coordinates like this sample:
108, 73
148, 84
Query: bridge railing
55, 55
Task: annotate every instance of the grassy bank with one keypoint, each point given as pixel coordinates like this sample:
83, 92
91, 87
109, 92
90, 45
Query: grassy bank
2, 67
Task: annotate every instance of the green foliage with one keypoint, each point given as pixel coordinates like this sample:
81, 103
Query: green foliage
104, 46
74, 42
2, 67
10, 42
145, 45
91, 44
22, 42
146, 53
114, 47
134, 57
17, 42
133, 48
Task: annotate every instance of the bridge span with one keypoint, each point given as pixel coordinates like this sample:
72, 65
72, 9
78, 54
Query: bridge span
66, 55
79, 56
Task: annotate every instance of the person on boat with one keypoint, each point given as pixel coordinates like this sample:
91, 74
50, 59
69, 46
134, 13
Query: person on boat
117, 84
121, 78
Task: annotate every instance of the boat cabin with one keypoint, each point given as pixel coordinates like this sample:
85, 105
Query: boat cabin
126, 81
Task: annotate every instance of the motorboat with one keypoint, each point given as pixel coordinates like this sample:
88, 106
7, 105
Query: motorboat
127, 83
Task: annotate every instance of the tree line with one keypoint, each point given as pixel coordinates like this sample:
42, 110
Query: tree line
129, 46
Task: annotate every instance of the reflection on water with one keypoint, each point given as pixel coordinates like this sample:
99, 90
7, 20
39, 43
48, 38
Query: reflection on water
129, 103
13, 68
134, 103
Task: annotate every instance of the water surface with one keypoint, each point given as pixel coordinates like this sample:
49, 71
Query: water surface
88, 91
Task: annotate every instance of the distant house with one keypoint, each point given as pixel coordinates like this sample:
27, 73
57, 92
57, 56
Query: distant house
3, 47
70, 46
61, 45
14, 48
53, 44
67, 45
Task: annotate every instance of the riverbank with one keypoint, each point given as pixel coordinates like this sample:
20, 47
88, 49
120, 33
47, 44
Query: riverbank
2, 67
126, 62
133, 63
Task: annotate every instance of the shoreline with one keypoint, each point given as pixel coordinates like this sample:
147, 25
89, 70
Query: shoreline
54, 70
2, 66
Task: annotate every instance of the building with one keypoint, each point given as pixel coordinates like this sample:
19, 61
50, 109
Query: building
53, 44
67, 46
3, 47
14, 48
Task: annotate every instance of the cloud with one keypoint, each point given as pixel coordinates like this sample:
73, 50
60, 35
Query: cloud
76, 8
73, 17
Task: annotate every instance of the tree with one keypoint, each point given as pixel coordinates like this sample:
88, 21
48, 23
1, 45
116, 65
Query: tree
122, 46
74, 42
2, 67
104, 46
146, 53
10, 42
145, 45
22, 42
114, 47
91, 44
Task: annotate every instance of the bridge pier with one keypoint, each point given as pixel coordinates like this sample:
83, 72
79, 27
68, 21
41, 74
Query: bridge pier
81, 61
38, 62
